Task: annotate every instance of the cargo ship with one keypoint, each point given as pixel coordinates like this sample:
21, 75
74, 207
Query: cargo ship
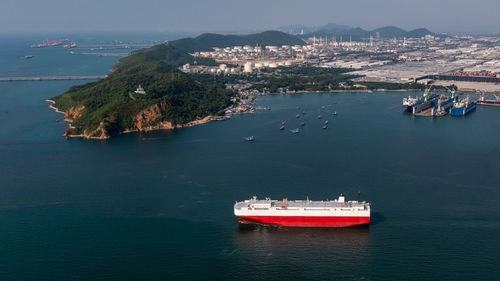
69, 45
483, 101
463, 106
408, 104
303, 213
49, 43
415, 105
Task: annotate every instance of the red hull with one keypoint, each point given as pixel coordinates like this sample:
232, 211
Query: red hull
305, 221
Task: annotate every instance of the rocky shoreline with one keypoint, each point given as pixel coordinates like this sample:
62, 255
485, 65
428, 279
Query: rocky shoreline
144, 120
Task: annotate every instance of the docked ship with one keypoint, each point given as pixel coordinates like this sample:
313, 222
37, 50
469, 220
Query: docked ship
483, 101
415, 105
443, 105
69, 45
408, 104
303, 213
463, 106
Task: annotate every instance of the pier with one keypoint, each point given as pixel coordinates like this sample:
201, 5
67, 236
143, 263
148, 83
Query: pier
426, 112
47, 78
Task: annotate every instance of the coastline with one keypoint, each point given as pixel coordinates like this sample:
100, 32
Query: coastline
51, 105
168, 126
204, 120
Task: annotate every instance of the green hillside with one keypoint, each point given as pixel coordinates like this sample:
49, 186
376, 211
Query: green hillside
110, 106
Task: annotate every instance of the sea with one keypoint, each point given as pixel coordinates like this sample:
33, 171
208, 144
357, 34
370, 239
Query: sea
159, 205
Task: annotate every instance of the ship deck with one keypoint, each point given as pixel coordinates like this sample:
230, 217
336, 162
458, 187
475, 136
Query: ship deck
308, 204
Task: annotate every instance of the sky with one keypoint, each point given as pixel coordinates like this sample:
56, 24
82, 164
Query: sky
475, 16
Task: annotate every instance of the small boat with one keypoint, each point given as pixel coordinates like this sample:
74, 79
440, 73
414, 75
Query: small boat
323, 107
302, 123
282, 128
319, 116
250, 138
283, 123
334, 113
28, 57
303, 113
297, 116
326, 122
324, 127
295, 131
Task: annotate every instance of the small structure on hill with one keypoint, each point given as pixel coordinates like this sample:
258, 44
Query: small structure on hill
140, 90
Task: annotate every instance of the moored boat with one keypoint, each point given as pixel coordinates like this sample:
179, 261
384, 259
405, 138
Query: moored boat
463, 106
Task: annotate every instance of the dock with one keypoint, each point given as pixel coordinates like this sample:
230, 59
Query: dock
426, 112
48, 78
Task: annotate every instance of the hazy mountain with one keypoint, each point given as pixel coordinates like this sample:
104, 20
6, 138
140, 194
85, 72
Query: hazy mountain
419, 32
296, 29
334, 26
207, 41
356, 34
299, 28
390, 32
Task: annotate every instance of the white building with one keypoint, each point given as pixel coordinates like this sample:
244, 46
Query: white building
248, 67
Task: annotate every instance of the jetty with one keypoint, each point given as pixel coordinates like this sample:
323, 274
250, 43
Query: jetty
45, 78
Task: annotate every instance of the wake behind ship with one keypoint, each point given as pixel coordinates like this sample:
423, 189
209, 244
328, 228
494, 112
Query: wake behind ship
303, 213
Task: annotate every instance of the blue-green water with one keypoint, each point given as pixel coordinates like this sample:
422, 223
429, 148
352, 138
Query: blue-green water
159, 205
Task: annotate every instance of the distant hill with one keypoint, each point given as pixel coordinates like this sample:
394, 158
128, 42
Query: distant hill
297, 29
390, 32
358, 34
207, 41
419, 32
